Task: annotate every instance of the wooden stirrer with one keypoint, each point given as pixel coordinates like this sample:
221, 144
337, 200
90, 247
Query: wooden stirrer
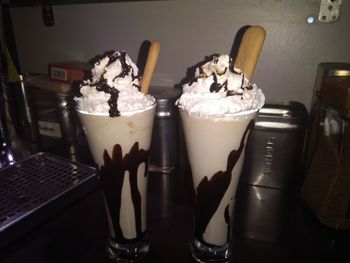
249, 50
151, 62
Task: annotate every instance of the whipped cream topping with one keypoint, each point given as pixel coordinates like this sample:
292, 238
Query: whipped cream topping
219, 89
114, 87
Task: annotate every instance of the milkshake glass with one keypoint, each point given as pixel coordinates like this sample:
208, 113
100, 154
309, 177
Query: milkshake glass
217, 109
216, 148
120, 147
118, 120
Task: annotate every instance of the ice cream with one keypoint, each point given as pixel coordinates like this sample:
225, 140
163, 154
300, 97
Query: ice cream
218, 89
118, 120
217, 109
114, 87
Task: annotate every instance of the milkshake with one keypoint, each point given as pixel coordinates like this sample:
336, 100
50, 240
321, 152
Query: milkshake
118, 120
217, 108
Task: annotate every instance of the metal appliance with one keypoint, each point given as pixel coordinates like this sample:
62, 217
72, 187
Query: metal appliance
35, 188
268, 187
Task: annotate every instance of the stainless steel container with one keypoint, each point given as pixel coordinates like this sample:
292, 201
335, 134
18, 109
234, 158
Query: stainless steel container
58, 126
165, 139
268, 187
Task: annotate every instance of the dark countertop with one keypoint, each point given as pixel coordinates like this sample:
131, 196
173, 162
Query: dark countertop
78, 232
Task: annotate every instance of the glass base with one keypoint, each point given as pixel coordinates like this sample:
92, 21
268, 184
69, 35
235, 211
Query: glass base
127, 252
207, 253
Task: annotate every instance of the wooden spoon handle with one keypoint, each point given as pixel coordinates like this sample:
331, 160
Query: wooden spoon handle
151, 62
249, 50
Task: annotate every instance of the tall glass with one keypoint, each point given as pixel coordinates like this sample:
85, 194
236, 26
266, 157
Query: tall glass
120, 147
216, 148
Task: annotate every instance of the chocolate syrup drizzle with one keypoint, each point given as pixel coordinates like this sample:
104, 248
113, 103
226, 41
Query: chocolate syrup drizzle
211, 191
102, 85
216, 86
112, 174
228, 220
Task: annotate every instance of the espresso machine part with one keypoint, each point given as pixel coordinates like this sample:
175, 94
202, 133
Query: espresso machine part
13, 146
29, 129
35, 188
6, 154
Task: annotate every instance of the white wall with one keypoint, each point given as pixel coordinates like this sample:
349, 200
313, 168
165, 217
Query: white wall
188, 31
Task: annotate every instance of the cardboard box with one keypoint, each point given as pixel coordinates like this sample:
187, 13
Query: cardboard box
69, 72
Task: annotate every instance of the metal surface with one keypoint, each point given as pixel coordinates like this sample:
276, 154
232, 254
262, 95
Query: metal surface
29, 129
262, 213
274, 150
6, 155
267, 191
32, 189
59, 129
165, 138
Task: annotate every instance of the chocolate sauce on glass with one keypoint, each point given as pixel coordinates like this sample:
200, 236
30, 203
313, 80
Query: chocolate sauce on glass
112, 174
228, 220
211, 191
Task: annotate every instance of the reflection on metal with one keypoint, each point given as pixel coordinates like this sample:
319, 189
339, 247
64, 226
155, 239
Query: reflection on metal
329, 11
259, 178
257, 193
6, 155
276, 125
275, 111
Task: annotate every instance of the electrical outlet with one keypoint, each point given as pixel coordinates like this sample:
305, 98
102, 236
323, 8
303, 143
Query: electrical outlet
329, 11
